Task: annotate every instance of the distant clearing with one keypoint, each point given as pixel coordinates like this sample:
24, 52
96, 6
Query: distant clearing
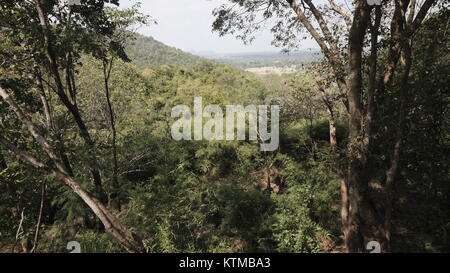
272, 70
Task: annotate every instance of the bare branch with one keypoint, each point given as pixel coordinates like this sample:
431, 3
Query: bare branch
304, 20
341, 11
331, 51
412, 11
421, 15
398, 35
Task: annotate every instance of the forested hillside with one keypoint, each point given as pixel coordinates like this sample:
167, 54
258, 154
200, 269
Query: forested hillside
145, 51
87, 153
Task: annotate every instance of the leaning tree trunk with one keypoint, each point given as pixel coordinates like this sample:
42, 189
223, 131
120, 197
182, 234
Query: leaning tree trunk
124, 236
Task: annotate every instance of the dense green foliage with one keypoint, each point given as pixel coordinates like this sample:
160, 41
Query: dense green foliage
198, 196
146, 51
216, 196
188, 196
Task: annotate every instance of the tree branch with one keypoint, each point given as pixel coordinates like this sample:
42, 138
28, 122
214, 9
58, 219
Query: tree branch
341, 11
420, 16
112, 225
332, 52
373, 59
304, 20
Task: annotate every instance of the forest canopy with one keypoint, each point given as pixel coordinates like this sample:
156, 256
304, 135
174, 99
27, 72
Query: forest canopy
86, 152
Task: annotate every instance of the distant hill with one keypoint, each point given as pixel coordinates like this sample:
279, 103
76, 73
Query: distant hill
268, 59
145, 51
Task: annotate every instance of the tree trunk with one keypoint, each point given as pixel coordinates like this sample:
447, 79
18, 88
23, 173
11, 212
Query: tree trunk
124, 236
395, 157
38, 224
331, 119
72, 107
344, 208
333, 132
373, 62
363, 224
360, 219
107, 66
50, 125
19, 228
334, 150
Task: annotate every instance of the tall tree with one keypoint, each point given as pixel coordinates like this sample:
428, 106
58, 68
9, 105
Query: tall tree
125, 22
346, 56
48, 38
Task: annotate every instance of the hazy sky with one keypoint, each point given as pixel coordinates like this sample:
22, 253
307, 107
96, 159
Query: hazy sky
186, 24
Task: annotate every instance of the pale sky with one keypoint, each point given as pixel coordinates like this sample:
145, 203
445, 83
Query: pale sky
186, 24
